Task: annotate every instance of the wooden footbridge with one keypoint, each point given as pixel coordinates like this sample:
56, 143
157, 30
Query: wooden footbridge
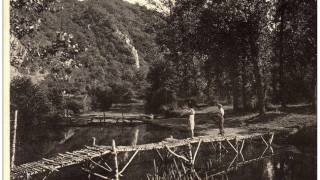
115, 118
90, 154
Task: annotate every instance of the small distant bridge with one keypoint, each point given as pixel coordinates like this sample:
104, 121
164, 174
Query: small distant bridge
107, 119
90, 154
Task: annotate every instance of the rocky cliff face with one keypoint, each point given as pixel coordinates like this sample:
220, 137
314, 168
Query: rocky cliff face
156, 5
19, 54
126, 39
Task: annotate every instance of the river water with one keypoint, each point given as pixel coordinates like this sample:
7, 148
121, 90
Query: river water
285, 163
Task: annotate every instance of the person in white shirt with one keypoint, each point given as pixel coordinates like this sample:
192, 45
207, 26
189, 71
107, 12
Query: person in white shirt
221, 119
191, 112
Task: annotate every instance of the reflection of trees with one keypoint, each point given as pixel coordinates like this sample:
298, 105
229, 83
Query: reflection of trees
33, 146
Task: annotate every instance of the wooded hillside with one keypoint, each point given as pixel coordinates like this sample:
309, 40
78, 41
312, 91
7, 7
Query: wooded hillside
81, 48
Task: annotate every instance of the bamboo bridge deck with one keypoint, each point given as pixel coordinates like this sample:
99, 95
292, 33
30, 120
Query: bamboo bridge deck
89, 153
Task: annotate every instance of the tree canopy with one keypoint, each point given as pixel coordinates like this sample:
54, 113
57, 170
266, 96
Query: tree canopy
240, 49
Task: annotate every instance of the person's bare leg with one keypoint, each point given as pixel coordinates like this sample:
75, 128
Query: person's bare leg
222, 126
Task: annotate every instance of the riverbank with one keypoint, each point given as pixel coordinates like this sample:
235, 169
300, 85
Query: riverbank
289, 120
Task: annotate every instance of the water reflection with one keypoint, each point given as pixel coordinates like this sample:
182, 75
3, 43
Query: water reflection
47, 141
256, 161
258, 164
268, 170
133, 142
67, 136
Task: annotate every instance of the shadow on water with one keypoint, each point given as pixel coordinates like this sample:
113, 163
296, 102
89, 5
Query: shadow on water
255, 161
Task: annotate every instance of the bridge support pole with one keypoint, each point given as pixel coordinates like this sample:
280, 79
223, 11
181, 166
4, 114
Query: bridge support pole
190, 155
233, 160
241, 148
116, 169
213, 146
269, 142
265, 142
271, 139
124, 168
195, 153
14, 140
220, 153
234, 148
28, 176
224, 147
242, 145
177, 155
159, 154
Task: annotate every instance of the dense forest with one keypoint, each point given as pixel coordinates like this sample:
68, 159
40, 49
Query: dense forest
253, 54
87, 55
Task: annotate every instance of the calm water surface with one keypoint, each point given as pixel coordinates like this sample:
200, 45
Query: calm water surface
286, 162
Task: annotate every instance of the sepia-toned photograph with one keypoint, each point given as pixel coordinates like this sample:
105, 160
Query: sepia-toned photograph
162, 89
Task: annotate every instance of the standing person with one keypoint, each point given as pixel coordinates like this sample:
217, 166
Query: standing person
191, 112
221, 119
